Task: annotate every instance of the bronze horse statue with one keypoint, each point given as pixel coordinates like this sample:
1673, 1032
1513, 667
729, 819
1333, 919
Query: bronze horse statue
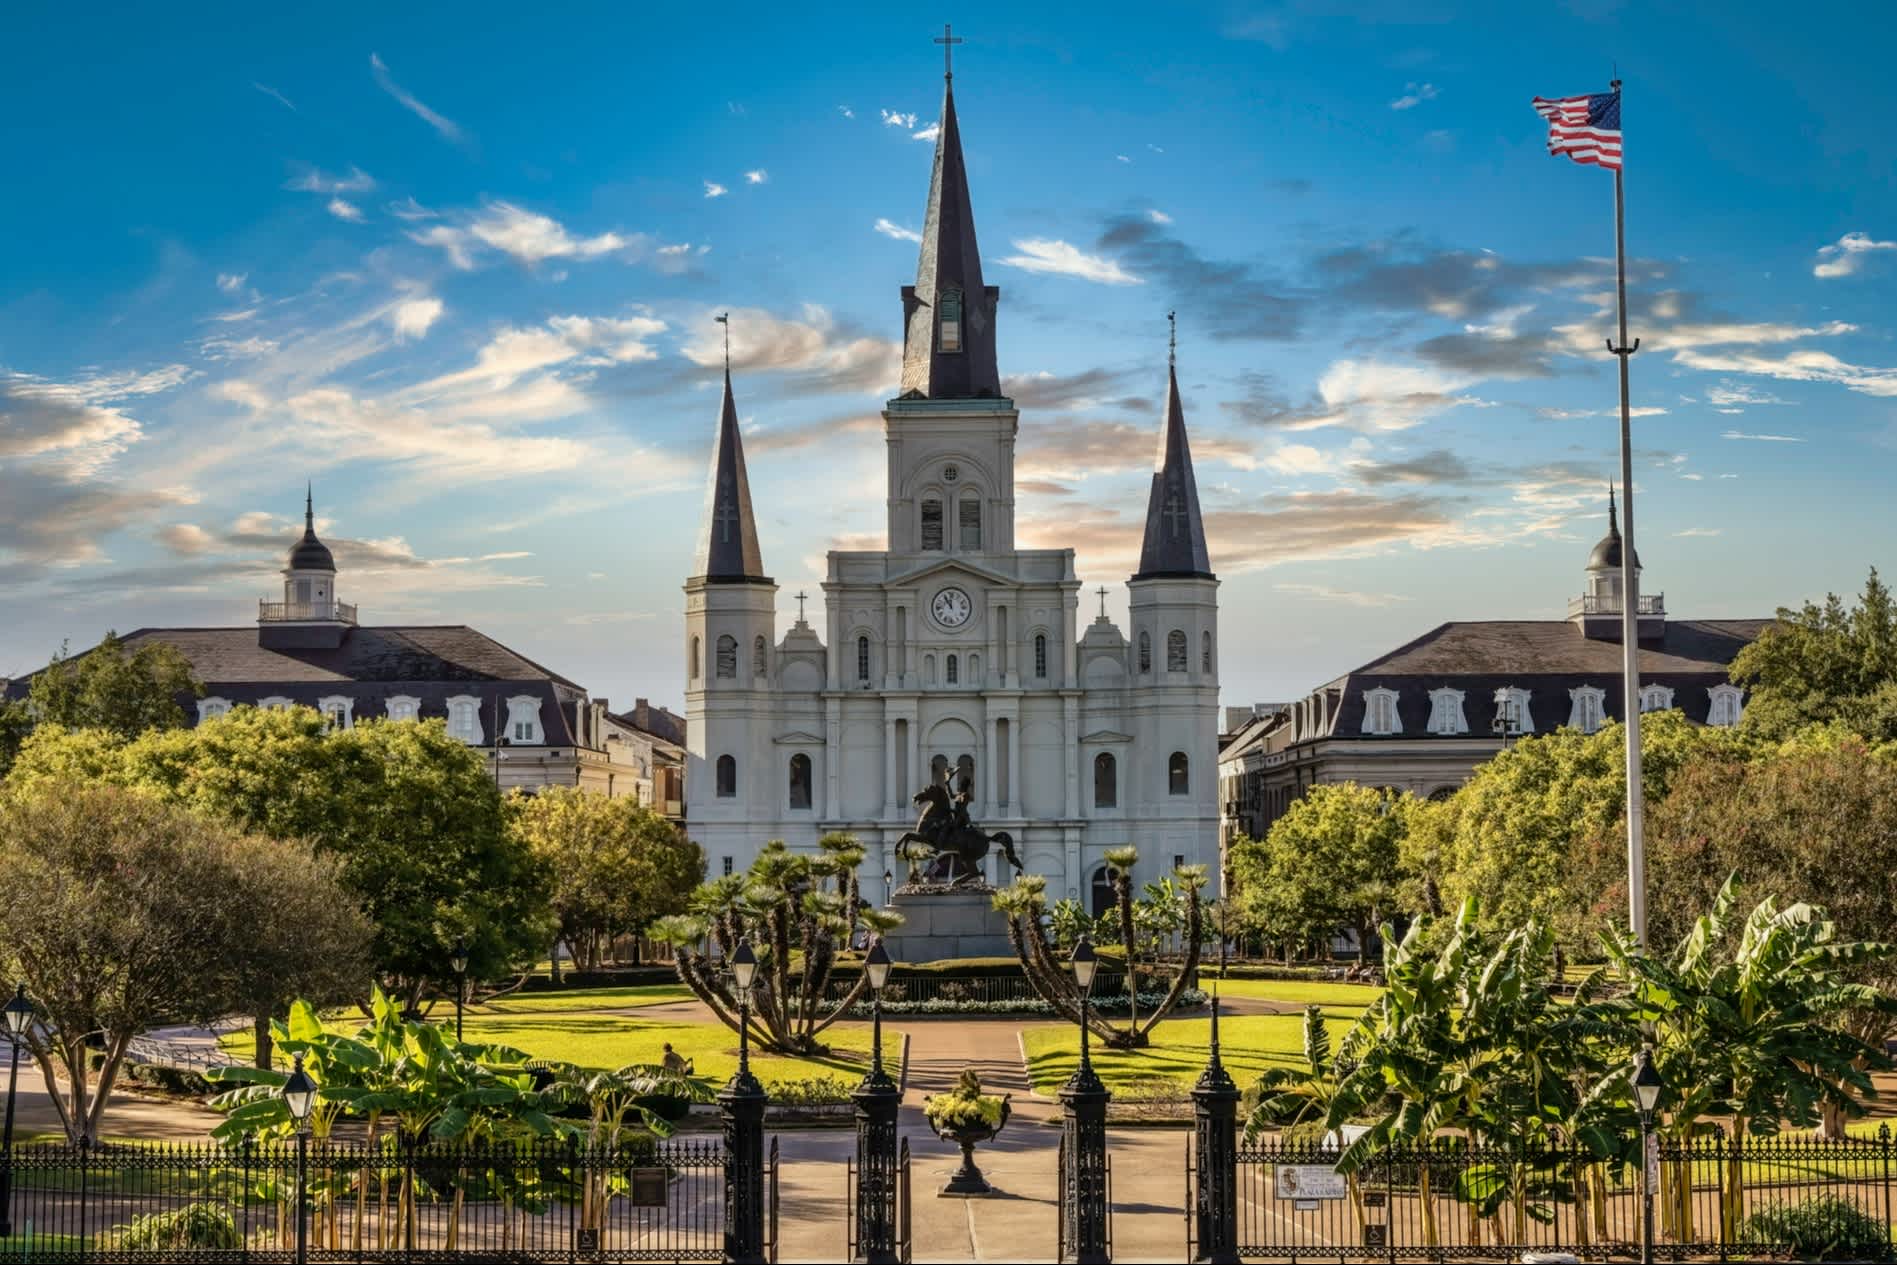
960, 846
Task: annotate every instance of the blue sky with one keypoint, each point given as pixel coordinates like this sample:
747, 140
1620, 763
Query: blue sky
457, 267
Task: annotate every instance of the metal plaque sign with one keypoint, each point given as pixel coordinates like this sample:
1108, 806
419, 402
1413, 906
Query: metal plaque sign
1309, 1181
647, 1188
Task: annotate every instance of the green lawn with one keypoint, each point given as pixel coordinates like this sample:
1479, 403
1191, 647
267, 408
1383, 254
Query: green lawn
1300, 992
583, 999
597, 1040
1247, 1045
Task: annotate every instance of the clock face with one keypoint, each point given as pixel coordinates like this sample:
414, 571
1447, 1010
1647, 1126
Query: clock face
952, 608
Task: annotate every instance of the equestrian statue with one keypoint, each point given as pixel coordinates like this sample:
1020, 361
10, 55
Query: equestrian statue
957, 846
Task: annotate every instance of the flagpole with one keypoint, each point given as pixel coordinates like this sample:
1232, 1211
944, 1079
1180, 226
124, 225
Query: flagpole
1630, 594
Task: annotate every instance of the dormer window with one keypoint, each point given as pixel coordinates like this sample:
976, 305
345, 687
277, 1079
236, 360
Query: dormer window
523, 720
1589, 708
950, 312
1656, 698
1725, 706
1512, 717
1445, 712
213, 707
404, 707
464, 718
1379, 712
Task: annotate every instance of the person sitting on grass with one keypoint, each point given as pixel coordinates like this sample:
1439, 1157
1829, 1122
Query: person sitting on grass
674, 1064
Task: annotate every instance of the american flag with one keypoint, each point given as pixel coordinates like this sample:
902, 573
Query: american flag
1586, 129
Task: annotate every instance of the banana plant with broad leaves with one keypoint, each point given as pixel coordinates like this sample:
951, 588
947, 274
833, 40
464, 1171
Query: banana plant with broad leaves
1751, 1030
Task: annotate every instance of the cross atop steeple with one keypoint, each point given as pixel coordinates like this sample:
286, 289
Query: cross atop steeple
947, 39
1103, 603
724, 319
800, 606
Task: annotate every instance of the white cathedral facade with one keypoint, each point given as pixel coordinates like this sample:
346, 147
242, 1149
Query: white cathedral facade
953, 651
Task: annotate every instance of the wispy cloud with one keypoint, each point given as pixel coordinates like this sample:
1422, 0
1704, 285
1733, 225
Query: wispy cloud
1414, 95
315, 180
527, 237
412, 318
757, 175
715, 190
1051, 255
231, 282
1159, 217
1844, 257
448, 128
1325, 593
1770, 439
276, 96
928, 133
889, 228
846, 111
1701, 531
345, 210
896, 118
411, 210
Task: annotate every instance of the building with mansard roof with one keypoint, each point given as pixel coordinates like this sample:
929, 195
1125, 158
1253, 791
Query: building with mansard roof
952, 651
1423, 716
536, 727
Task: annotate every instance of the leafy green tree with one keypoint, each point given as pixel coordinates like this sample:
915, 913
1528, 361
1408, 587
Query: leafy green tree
410, 814
1822, 664
120, 912
108, 688
16, 722
1328, 863
1535, 833
798, 912
615, 865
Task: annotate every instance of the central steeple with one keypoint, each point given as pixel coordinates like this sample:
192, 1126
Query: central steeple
727, 545
1174, 545
948, 347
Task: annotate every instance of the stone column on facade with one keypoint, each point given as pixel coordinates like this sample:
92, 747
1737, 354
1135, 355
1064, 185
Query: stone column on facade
832, 758
890, 757
1070, 727
990, 760
1017, 801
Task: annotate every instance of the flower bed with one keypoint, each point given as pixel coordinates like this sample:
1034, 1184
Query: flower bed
1109, 1004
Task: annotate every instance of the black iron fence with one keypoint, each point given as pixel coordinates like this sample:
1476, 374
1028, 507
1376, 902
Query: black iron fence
1715, 1198
897, 1208
542, 1201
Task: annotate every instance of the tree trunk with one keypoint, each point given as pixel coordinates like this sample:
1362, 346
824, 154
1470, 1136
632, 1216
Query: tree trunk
260, 1027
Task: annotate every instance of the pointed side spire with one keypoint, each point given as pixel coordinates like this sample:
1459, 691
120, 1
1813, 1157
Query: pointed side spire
948, 349
1175, 531
309, 553
727, 545
1606, 555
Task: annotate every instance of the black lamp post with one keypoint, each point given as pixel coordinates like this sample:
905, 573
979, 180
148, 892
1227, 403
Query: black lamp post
19, 1016
458, 959
299, 1095
1647, 1086
1084, 1101
741, 1103
1215, 1144
877, 1100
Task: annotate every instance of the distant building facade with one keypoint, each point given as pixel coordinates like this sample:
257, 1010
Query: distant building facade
1423, 717
535, 727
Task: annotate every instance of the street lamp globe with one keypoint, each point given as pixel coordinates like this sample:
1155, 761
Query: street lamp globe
18, 1012
1647, 1083
299, 1093
1085, 964
458, 956
876, 965
743, 968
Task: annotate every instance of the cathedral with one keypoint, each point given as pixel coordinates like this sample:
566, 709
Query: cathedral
953, 655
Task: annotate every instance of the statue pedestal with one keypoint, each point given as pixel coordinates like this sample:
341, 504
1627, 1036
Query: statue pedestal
957, 923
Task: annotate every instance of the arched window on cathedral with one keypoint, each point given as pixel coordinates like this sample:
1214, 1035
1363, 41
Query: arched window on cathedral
928, 669
1205, 653
1100, 893
728, 657
1146, 653
697, 659
862, 658
950, 671
968, 515
760, 657
1175, 651
932, 524
938, 771
1106, 781
800, 781
1040, 656
965, 771
727, 777
1177, 780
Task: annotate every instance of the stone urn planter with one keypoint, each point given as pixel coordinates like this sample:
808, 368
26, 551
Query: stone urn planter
966, 1117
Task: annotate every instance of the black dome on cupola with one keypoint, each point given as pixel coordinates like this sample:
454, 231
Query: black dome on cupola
309, 553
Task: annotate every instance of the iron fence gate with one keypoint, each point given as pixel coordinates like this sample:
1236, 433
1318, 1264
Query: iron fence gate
1072, 1189
1717, 1198
897, 1207
544, 1201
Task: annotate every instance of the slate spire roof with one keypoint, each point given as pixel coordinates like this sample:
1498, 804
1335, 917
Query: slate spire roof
727, 544
948, 274
309, 553
1175, 531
